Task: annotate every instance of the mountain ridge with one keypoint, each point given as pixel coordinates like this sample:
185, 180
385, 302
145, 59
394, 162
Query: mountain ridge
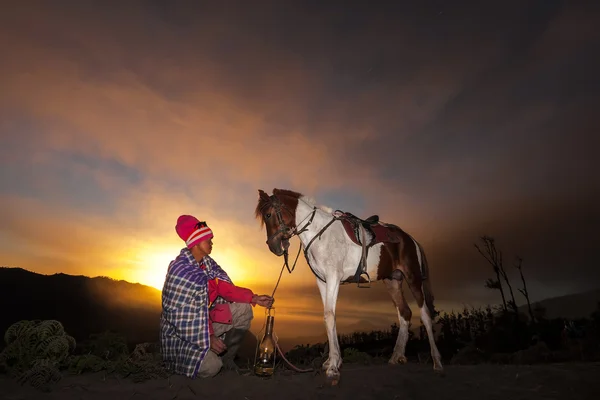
88, 305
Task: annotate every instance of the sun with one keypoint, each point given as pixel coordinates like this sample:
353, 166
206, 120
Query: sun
233, 265
153, 267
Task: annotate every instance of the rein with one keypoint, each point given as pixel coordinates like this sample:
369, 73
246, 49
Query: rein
285, 253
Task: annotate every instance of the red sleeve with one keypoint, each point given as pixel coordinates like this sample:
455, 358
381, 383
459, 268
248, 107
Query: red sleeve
234, 293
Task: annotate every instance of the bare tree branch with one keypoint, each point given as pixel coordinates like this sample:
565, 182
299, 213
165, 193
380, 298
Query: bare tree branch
524, 292
495, 260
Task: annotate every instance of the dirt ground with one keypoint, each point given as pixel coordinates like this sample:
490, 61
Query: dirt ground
411, 381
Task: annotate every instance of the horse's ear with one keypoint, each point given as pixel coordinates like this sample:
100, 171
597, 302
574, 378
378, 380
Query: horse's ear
263, 195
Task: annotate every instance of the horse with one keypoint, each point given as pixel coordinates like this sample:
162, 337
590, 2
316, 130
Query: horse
341, 248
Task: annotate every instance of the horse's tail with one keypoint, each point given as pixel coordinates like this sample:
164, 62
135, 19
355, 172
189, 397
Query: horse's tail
426, 283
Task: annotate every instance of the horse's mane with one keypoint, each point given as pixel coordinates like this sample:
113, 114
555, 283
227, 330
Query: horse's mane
288, 197
285, 192
328, 210
313, 202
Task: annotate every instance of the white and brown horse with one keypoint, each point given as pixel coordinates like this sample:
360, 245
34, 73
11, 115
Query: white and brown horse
333, 247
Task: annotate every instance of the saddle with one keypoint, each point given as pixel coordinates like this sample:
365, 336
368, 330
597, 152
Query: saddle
366, 233
377, 232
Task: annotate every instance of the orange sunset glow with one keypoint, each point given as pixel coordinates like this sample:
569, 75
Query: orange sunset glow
113, 124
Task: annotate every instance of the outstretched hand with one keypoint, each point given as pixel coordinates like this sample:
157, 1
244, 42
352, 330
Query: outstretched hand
263, 300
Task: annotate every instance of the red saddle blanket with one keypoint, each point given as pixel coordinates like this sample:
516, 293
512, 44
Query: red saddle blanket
382, 233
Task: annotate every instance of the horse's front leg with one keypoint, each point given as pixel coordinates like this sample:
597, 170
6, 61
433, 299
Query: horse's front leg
329, 293
323, 290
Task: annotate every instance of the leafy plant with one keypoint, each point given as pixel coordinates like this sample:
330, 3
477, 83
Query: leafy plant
352, 355
34, 352
143, 364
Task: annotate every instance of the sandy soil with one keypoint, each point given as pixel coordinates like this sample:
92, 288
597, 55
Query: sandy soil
411, 381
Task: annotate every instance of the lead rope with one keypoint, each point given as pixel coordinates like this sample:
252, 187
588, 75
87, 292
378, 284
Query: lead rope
292, 366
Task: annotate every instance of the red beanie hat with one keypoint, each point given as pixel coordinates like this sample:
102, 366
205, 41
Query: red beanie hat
192, 231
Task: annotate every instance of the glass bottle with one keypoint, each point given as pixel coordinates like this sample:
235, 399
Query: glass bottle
265, 357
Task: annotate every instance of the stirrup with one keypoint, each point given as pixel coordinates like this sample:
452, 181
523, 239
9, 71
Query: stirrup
368, 284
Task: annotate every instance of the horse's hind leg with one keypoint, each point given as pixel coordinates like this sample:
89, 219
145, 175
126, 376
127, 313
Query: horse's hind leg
394, 288
435, 354
416, 286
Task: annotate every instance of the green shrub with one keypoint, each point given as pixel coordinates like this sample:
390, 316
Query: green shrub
352, 355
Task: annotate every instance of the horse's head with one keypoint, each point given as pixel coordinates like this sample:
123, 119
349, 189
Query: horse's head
278, 213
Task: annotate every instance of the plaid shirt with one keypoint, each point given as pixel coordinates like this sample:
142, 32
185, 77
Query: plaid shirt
184, 335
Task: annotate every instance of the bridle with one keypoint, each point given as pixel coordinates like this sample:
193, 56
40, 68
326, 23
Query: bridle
287, 232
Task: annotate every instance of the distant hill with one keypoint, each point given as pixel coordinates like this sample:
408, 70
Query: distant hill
83, 305
572, 306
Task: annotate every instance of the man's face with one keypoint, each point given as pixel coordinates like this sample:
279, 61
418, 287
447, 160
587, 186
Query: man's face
206, 246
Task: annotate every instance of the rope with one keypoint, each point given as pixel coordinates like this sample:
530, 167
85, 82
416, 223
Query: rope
282, 267
292, 366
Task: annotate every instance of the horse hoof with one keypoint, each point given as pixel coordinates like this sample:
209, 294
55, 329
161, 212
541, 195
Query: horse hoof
333, 381
398, 360
439, 370
333, 378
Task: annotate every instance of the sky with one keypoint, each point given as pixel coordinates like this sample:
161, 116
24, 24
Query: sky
449, 119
